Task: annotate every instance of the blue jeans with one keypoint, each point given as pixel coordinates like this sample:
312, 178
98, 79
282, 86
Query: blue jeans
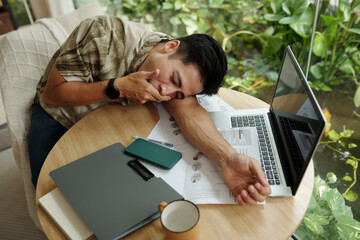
44, 132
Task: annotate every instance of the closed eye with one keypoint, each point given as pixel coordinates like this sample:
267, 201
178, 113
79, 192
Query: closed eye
180, 95
179, 79
172, 79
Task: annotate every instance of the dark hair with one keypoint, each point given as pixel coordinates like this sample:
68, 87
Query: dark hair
207, 53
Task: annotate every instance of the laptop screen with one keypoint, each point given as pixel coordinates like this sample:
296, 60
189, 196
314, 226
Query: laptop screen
297, 117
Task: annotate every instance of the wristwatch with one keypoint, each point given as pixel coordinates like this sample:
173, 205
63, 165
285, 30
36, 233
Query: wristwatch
111, 91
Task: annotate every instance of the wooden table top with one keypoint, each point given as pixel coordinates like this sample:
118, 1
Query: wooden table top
277, 219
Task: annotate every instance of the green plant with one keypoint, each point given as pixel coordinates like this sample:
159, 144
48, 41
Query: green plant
338, 144
336, 43
327, 216
19, 12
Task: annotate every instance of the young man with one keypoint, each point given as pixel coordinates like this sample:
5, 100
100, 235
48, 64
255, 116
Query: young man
108, 59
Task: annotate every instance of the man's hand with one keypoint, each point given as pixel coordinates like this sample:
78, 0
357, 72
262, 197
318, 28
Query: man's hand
136, 88
246, 179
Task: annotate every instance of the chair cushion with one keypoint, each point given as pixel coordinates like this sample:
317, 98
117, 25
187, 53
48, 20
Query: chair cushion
24, 56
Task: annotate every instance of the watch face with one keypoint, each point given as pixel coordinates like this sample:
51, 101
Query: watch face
111, 91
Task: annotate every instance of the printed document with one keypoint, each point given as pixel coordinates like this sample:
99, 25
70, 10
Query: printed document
195, 176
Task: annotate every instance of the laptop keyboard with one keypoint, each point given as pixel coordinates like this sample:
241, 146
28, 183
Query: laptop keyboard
266, 154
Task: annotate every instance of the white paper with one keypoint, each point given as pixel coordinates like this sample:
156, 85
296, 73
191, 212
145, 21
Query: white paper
242, 139
213, 103
195, 177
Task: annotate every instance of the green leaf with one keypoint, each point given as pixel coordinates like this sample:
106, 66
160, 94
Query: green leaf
303, 26
285, 8
316, 70
355, 6
336, 203
301, 232
323, 40
274, 45
301, 5
313, 203
325, 88
348, 228
329, 34
177, 4
347, 178
175, 20
149, 18
313, 226
288, 20
319, 45
344, 7
352, 30
331, 177
273, 17
190, 29
352, 145
351, 162
357, 97
328, 19
330, 202
336, 82
275, 6
167, 6
333, 135
272, 75
346, 133
346, 67
269, 31
351, 196
215, 3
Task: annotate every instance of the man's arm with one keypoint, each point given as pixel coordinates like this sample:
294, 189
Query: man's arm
242, 174
134, 87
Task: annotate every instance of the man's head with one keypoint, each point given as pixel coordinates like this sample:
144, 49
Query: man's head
187, 66
208, 55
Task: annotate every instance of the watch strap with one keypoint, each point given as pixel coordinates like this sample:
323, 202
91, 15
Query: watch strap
111, 91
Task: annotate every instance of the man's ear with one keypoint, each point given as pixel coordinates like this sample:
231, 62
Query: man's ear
171, 46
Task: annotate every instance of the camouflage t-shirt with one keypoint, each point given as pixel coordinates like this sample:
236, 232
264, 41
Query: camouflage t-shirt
100, 48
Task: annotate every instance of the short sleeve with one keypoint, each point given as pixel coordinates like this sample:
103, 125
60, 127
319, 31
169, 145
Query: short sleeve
84, 53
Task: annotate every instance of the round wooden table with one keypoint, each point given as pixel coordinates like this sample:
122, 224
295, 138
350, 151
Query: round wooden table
277, 219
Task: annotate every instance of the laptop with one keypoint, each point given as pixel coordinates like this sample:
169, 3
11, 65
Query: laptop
287, 133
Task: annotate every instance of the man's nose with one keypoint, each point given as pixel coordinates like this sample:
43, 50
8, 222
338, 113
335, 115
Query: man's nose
167, 90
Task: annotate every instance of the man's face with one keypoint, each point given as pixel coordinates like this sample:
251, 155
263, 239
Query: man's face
174, 79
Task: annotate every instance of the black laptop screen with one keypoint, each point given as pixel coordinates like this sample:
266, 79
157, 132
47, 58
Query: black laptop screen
297, 117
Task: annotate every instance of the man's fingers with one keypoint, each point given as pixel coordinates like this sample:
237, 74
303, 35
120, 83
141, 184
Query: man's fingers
256, 170
162, 98
240, 201
152, 74
251, 196
157, 96
255, 194
247, 198
263, 190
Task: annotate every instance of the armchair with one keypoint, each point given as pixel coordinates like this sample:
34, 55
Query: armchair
24, 55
